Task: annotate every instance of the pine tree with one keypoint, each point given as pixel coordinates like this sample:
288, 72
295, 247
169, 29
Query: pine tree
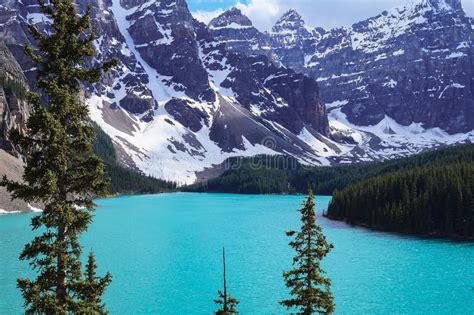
92, 288
310, 289
60, 172
228, 304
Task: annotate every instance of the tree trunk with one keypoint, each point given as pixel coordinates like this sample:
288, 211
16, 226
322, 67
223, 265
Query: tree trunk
225, 284
61, 265
61, 274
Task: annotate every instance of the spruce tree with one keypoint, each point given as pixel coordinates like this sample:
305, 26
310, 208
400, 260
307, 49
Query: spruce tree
310, 289
91, 290
227, 304
60, 173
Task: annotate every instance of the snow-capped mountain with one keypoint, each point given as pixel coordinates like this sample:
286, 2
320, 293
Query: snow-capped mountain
412, 64
237, 32
187, 96
180, 101
290, 39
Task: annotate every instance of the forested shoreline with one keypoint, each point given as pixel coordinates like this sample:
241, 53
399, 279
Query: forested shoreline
285, 175
432, 200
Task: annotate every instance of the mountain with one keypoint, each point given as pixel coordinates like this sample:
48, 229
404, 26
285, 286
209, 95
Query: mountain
181, 101
14, 112
411, 65
188, 96
291, 39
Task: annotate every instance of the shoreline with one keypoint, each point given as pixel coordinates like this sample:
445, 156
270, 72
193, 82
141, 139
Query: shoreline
32, 209
118, 195
429, 236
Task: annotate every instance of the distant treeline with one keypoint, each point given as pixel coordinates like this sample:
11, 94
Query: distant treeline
12, 86
434, 199
428, 194
125, 180
278, 174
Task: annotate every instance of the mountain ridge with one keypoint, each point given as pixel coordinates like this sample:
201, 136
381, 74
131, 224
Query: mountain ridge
362, 67
185, 99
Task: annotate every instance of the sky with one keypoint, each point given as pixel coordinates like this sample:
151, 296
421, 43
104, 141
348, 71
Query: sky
324, 13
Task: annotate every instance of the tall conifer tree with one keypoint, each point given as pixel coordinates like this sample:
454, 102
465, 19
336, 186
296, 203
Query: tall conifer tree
227, 304
310, 289
92, 288
60, 172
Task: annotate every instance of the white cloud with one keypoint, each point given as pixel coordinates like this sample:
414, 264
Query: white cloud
325, 13
263, 13
207, 16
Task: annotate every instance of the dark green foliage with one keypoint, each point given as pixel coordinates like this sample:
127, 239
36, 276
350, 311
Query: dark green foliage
256, 175
310, 289
13, 86
278, 174
92, 289
227, 304
123, 180
230, 307
434, 199
61, 172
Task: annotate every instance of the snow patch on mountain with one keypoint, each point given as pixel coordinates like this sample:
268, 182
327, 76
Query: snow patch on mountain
164, 148
409, 139
155, 83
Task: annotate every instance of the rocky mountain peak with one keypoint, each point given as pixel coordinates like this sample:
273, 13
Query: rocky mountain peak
291, 34
445, 5
290, 15
230, 18
290, 21
236, 31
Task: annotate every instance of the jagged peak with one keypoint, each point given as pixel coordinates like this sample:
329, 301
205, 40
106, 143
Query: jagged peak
437, 6
445, 5
291, 20
235, 10
233, 15
413, 12
290, 15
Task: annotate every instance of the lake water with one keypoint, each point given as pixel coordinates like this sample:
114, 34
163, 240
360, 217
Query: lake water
164, 252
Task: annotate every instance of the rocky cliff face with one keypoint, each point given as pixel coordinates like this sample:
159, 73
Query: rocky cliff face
291, 39
14, 110
236, 31
128, 82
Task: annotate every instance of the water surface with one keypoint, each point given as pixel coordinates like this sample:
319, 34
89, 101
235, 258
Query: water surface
164, 252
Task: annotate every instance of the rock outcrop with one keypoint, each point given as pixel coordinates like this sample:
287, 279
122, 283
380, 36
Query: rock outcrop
14, 110
237, 32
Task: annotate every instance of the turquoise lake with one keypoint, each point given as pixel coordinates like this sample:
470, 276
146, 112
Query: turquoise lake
164, 252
